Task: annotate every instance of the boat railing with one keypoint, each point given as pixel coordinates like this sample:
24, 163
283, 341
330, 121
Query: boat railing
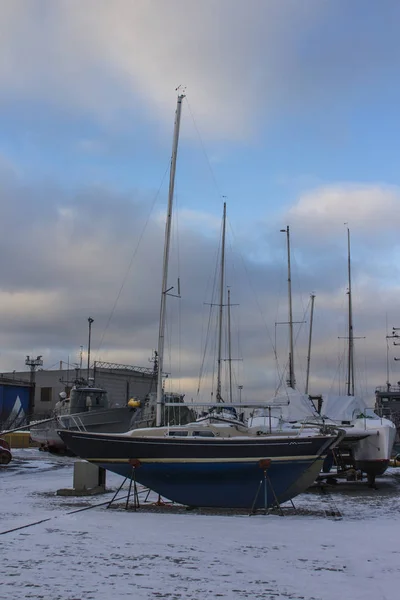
75, 420
385, 390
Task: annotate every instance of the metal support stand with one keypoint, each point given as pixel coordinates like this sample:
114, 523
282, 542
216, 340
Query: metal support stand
265, 494
116, 493
159, 501
135, 465
265, 464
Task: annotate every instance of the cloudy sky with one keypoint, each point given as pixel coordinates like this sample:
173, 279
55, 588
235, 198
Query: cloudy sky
291, 116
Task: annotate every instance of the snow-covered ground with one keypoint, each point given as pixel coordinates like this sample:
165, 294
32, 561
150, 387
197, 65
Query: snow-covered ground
113, 554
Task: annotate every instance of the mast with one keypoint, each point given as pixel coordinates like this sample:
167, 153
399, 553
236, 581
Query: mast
164, 290
221, 306
291, 379
229, 346
309, 342
350, 362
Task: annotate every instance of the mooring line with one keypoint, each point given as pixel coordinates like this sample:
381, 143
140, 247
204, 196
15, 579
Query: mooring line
71, 512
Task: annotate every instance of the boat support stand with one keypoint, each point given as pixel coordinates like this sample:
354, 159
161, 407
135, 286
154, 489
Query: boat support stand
264, 464
132, 479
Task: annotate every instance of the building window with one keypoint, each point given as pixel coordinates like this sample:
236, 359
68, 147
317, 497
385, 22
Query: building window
46, 394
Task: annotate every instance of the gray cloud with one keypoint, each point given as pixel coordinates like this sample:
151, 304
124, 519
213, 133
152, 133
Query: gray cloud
67, 255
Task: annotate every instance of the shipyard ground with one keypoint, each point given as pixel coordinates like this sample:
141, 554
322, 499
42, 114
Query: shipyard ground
340, 541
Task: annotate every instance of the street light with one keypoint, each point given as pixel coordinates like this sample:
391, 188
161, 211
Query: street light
90, 321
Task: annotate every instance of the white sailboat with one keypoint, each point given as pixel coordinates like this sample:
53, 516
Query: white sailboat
369, 439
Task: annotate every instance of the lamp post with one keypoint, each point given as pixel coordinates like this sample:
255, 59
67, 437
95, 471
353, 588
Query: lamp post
90, 321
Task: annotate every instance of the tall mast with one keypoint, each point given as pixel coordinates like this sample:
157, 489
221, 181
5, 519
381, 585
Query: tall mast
350, 362
229, 346
164, 290
309, 342
221, 306
291, 379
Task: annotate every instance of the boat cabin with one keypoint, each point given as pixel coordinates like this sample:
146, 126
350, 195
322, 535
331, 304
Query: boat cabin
85, 399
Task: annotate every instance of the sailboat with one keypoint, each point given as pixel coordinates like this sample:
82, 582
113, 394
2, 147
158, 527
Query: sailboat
206, 463
368, 441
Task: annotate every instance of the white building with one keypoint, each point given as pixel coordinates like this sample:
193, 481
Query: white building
122, 382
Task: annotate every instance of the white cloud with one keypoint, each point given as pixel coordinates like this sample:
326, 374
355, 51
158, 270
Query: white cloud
241, 62
367, 207
320, 217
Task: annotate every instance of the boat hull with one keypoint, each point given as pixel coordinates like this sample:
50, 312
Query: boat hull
113, 420
227, 473
372, 454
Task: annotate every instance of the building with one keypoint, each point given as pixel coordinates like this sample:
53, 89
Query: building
16, 401
122, 382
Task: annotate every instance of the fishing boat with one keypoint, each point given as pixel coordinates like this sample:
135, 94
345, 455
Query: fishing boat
87, 408
5, 452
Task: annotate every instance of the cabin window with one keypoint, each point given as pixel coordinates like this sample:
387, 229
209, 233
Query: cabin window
203, 433
46, 394
178, 433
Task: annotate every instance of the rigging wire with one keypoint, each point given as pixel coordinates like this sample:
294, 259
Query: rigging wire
240, 254
210, 316
133, 256
302, 326
219, 192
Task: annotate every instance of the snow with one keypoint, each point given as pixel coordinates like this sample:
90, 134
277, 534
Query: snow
112, 554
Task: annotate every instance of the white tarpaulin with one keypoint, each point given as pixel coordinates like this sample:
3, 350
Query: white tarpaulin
295, 406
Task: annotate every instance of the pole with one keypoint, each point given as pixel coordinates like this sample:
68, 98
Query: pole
90, 321
168, 225
387, 356
221, 306
291, 380
350, 361
309, 342
229, 346
80, 360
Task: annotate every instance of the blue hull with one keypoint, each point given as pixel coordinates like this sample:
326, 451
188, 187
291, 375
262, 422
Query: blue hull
223, 485
210, 472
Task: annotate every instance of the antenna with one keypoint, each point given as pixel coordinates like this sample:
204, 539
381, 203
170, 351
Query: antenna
33, 364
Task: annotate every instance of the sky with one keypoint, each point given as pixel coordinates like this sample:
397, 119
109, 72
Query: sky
290, 116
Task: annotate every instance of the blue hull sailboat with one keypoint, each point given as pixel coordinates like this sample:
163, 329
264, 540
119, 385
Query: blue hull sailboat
206, 463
